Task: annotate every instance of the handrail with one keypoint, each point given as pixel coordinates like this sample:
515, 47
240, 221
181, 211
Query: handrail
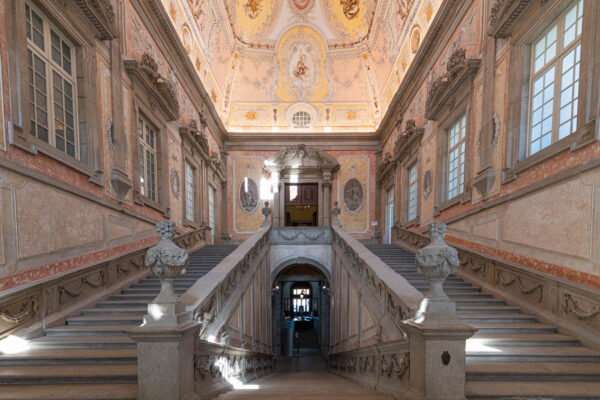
215, 295
391, 298
27, 309
553, 299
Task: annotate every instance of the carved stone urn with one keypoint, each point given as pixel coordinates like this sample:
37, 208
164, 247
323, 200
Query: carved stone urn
266, 211
168, 261
336, 211
436, 261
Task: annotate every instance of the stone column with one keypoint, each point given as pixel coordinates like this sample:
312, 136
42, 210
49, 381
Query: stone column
326, 198
437, 336
225, 238
165, 341
276, 196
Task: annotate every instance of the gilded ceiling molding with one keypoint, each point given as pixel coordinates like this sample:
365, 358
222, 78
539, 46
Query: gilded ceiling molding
459, 70
504, 15
145, 72
101, 15
408, 141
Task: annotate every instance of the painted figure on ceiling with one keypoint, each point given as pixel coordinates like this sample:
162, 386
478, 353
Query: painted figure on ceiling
301, 69
253, 8
350, 8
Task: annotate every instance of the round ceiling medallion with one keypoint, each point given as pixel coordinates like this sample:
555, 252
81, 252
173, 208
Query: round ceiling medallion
301, 6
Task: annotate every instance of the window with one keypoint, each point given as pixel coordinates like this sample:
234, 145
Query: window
52, 84
147, 158
211, 210
301, 119
554, 88
413, 183
189, 192
456, 158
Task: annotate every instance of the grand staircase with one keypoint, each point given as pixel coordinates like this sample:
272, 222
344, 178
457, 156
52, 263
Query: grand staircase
512, 355
91, 356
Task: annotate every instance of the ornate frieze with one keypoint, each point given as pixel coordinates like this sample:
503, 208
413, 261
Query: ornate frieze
301, 235
459, 71
101, 15
145, 73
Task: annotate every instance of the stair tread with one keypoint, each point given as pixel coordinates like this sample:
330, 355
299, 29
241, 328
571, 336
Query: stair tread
74, 353
69, 370
105, 317
81, 391
87, 328
537, 350
531, 390
83, 339
532, 367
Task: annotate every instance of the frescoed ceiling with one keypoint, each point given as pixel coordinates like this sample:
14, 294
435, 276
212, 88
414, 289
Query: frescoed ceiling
338, 61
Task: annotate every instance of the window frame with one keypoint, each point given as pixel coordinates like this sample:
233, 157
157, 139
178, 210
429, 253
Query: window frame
75, 28
409, 184
161, 203
557, 63
461, 178
534, 22
142, 142
195, 222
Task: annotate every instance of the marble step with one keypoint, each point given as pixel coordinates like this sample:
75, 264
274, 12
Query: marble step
151, 290
523, 339
543, 354
63, 374
80, 391
462, 301
514, 328
69, 357
138, 311
147, 297
83, 342
467, 310
527, 390
533, 371
496, 318
122, 303
108, 330
451, 289
95, 320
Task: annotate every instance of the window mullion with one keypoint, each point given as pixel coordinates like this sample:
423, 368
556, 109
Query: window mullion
49, 83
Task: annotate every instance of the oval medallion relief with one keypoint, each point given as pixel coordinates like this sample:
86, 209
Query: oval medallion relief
248, 196
353, 195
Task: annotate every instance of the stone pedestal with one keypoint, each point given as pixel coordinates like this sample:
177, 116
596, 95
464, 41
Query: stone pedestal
165, 357
437, 336
437, 359
165, 341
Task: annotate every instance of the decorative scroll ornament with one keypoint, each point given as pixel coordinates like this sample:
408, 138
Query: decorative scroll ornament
436, 261
28, 310
167, 260
253, 8
500, 280
350, 8
353, 195
266, 211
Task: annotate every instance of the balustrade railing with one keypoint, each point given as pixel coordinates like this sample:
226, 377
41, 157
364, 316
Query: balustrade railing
573, 307
28, 309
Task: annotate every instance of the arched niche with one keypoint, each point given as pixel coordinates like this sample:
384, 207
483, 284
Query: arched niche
301, 164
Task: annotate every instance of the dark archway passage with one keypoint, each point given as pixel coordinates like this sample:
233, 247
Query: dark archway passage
300, 311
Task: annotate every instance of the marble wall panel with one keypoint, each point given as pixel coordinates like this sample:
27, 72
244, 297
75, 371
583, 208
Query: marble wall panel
251, 166
358, 167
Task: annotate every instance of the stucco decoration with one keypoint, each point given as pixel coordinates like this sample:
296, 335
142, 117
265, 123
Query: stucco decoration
175, 186
302, 159
248, 195
350, 8
427, 184
353, 195
301, 7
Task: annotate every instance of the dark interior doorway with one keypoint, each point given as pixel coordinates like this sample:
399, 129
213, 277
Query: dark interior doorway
301, 204
301, 311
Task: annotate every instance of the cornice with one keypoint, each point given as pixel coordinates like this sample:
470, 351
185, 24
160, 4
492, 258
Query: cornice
504, 15
408, 141
172, 46
459, 71
387, 166
277, 141
101, 15
445, 22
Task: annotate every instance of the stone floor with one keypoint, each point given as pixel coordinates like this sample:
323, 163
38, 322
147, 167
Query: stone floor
301, 378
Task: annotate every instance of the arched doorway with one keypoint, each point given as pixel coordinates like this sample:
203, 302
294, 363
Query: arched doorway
300, 311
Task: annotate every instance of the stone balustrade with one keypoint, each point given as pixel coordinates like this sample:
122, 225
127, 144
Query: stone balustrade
26, 310
573, 307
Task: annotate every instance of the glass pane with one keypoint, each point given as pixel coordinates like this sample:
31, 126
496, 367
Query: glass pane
38, 30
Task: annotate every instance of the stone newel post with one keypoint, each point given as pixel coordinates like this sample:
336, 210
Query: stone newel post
437, 336
165, 341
